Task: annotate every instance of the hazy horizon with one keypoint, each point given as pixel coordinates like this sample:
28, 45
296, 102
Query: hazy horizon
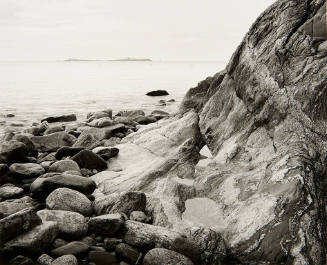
38, 30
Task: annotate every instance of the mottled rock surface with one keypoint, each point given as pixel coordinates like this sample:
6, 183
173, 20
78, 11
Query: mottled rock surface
165, 257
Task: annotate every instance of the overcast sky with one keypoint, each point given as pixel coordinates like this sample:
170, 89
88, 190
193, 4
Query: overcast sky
109, 29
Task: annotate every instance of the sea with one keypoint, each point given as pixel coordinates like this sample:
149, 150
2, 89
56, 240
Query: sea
30, 91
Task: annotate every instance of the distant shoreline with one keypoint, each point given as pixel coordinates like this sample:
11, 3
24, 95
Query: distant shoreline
115, 60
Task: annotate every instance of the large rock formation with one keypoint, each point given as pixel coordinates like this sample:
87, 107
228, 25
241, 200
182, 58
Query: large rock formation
264, 120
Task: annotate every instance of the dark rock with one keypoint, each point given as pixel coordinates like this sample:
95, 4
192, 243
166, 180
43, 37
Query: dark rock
106, 225
21, 260
67, 151
69, 223
43, 186
25, 139
63, 166
17, 223
10, 115
144, 120
58, 242
69, 200
26, 170
157, 93
159, 114
111, 243
76, 248
128, 253
106, 153
36, 240
88, 159
165, 257
65, 260
9, 191
13, 152
62, 118
52, 142
102, 258
129, 202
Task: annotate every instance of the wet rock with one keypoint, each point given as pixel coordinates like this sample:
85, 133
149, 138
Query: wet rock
54, 129
17, 223
106, 153
26, 170
111, 243
86, 141
58, 242
165, 257
88, 159
99, 114
63, 166
102, 258
127, 253
52, 142
159, 114
43, 186
73, 248
106, 225
21, 260
101, 123
36, 240
126, 121
25, 139
69, 223
62, 118
9, 191
44, 259
156, 93
13, 152
67, 151
144, 120
65, 260
69, 200
139, 217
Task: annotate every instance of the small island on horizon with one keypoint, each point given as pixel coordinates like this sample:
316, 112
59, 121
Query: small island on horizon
114, 60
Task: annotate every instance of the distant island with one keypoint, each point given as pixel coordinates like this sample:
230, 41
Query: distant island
116, 60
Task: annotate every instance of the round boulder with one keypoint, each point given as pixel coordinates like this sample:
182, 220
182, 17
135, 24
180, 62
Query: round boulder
26, 170
63, 166
164, 256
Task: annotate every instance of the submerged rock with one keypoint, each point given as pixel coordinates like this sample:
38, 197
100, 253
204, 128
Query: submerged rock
157, 93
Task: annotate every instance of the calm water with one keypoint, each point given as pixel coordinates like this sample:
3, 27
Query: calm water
32, 90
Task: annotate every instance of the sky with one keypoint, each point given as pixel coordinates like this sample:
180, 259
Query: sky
181, 30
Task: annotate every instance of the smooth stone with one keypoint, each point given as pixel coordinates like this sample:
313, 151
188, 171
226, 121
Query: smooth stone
106, 153
65, 260
44, 259
127, 253
164, 256
69, 200
157, 93
26, 170
36, 240
125, 120
106, 225
52, 142
88, 159
139, 217
69, 223
102, 258
54, 129
63, 166
99, 114
74, 248
89, 241
45, 185
67, 151
61, 118
102, 122
17, 223
13, 206
13, 152
58, 242
144, 120
21, 260
159, 114
9, 191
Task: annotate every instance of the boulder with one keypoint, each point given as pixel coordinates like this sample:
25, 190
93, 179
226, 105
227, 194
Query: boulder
106, 153
52, 142
128, 253
106, 225
156, 93
63, 166
73, 248
9, 207
144, 120
17, 223
88, 159
21, 260
67, 151
69, 200
13, 152
165, 257
44, 185
61, 118
9, 191
159, 114
102, 258
65, 260
99, 114
54, 129
36, 240
101, 123
25, 139
126, 121
69, 223
86, 141
44, 259
26, 170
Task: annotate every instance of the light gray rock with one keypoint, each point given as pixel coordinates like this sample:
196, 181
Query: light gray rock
45, 259
102, 122
139, 216
69, 200
35, 240
26, 170
69, 223
65, 260
12, 206
106, 225
64, 165
165, 257
8, 191
52, 142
